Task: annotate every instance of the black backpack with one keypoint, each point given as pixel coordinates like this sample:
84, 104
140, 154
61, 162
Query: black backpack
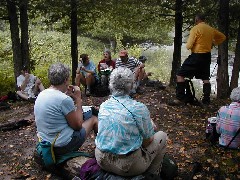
190, 93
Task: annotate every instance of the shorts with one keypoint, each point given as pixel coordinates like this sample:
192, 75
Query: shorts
78, 138
196, 65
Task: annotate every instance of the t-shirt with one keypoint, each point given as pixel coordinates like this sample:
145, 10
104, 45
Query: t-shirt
118, 131
29, 85
91, 67
50, 109
132, 63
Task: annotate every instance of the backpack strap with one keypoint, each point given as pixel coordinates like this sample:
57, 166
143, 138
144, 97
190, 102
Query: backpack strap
238, 131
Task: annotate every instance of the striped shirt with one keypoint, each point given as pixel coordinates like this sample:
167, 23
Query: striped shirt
131, 63
228, 123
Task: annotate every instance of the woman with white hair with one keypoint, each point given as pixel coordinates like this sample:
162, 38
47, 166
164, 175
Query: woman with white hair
228, 121
126, 143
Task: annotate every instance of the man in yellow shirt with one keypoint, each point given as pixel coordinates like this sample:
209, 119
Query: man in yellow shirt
201, 39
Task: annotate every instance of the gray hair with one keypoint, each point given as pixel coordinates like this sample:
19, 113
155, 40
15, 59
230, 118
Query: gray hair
121, 81
235, 95
58, 73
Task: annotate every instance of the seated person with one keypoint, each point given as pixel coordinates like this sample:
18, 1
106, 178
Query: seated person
28, 85
126, 143
56, 114
134, 65
86, 73
228, 121
105, 63
143, 60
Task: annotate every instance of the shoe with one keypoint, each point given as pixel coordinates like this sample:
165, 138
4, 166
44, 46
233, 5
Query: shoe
176, 102
139, 90
32, 99
88, 93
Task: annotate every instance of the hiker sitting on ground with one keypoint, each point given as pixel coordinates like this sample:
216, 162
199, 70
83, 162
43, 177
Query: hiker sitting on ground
146, 74
126, 143
29, 85
55, 113
86, 74
105, 67
200, 41
228, 121
134, 65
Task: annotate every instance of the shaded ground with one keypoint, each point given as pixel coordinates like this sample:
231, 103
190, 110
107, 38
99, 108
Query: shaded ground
185, 126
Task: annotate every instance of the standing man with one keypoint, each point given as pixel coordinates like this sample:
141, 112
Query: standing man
201, 39
134, 65
86, 73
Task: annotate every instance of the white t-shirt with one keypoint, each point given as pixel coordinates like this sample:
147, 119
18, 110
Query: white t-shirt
30, 84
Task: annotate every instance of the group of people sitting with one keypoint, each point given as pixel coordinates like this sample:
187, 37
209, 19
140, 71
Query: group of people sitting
128, 143
127, 140
87, 74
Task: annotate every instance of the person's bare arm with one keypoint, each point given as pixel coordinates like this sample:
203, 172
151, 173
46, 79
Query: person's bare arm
75, 118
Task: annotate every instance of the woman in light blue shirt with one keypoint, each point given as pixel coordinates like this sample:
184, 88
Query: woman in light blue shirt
126, 143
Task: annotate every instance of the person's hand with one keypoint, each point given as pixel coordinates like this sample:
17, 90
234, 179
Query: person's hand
83, 68
38, 82
74, 92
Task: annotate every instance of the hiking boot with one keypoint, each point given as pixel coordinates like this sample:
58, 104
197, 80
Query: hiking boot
32, 99
88, 93
176, 102
139, 90
206, 93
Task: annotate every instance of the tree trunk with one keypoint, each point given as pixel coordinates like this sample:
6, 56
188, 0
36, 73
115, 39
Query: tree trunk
176, 63
24, 32
222, 73
236, 64
16, 45
74, 45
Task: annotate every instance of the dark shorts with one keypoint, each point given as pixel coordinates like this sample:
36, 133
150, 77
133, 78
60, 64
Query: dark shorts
196, 65
78, 138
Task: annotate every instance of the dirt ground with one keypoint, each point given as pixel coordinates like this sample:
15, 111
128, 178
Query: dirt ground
185, 126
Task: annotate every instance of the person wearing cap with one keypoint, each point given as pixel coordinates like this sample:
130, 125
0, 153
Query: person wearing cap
228, 121
134, 65
128, 142
105, 64
86, 73
28, 85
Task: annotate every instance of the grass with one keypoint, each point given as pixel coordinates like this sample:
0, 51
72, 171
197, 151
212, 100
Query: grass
51, 47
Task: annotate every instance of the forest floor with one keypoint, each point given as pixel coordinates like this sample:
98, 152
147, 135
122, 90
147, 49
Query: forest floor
185, 126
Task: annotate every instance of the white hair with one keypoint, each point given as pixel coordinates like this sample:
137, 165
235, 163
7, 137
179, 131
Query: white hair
121, 81
235, 95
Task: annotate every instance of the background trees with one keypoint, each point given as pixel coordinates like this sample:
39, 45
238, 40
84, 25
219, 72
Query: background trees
129, 21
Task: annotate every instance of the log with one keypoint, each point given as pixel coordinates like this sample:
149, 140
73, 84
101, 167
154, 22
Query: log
15, 125
67, 170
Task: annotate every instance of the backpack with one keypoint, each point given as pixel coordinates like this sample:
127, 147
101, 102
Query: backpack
190, 93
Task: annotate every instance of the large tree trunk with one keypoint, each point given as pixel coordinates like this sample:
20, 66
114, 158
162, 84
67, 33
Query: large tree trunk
176, 63
236, 64
74, 45
24, 32
16, 45
222, 73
